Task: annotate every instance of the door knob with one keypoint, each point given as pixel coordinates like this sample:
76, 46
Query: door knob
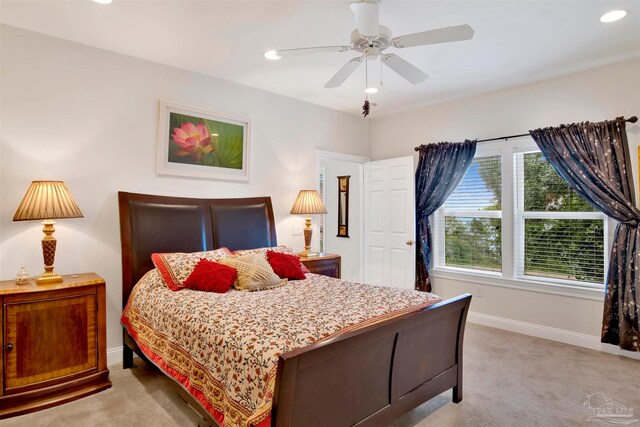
9, 347
409, 242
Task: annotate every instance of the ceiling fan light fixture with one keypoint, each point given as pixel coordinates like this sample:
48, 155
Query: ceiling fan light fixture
613, 15
371, 90
272, 55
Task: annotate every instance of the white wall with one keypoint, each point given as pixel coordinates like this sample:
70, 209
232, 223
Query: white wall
89, 117
594, 95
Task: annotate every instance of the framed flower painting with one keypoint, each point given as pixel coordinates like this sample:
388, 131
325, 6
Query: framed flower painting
196, 143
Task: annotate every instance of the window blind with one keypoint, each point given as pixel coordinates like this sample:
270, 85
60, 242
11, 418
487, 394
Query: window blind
558, 234
471, 218
568, 249
480, 189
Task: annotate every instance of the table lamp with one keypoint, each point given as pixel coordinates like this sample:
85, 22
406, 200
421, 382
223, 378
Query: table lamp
308, 202
47, 200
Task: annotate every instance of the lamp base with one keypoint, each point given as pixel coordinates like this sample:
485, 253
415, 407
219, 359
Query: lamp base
49, 254
308, 232
49, 277
307, 254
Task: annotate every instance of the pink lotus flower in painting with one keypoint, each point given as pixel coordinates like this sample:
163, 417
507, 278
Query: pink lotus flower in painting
193, 140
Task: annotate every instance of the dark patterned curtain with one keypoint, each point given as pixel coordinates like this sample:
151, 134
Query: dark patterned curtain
441, 167
595, 161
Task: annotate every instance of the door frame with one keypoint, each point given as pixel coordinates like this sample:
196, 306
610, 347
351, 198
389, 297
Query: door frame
333, 155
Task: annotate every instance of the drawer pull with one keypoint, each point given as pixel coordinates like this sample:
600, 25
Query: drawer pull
9, 347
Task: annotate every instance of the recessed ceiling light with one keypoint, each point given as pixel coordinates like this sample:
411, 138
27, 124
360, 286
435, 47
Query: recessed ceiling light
272, 55
371, 90
613, 16
103, 1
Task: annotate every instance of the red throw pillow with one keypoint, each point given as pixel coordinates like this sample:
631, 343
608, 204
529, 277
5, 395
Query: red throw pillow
286, 266
210, 276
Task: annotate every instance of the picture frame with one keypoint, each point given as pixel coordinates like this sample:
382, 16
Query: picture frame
343, 206
197, 143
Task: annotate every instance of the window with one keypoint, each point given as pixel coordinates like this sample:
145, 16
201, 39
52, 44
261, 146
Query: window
472, 218
559, 234
513, 216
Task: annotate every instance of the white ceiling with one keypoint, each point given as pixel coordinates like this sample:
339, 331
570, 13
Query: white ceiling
515, 42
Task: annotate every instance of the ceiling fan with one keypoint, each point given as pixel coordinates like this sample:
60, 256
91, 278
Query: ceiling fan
371, 39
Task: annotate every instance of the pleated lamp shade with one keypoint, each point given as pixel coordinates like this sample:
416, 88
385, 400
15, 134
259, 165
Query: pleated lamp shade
47, 200
308, 202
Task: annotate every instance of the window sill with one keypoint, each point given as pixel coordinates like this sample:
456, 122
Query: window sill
494, 279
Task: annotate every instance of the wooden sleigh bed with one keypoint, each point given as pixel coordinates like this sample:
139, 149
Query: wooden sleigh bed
386, 369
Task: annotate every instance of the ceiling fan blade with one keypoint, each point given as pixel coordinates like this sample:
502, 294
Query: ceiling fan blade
366, 16
306, 50
441, 35
344, 72
407, 71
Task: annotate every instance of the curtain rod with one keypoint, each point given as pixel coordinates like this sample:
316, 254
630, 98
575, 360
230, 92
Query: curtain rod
632, 119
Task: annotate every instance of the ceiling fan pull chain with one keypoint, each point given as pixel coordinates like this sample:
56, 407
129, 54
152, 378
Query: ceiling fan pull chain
366, 73
365, 107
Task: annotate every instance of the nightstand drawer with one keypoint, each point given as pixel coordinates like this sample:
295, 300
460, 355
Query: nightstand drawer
53, 341
325, 264
49, 339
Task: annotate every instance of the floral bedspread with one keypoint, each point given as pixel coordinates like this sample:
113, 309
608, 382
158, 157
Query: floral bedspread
224, 348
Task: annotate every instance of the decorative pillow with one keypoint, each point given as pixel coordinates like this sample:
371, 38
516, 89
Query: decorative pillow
176, 267
210, 276
286, 266
281, 248
254, 272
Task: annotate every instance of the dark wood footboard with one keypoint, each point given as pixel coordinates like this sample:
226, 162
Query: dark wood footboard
371, 376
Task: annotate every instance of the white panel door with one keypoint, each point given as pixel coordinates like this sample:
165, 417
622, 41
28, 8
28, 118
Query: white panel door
389, 223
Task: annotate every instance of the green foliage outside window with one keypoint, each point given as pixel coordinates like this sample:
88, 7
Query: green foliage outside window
563, 248
546, 191
473, 243
476, 242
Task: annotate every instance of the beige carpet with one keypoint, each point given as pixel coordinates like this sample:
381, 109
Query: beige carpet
510, 380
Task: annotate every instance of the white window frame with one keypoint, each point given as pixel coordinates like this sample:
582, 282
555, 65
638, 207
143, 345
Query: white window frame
512, 227
439, 223
521, 215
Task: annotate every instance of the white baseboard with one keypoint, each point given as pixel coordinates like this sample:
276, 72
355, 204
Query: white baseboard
540, 331
114, 355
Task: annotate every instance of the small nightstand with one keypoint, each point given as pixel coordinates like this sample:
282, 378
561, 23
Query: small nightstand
54, 343
326, 264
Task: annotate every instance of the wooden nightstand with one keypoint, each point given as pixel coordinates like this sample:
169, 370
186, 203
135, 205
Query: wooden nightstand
326, 264
54, 343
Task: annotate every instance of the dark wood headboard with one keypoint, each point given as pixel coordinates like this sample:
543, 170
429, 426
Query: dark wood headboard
151, 224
